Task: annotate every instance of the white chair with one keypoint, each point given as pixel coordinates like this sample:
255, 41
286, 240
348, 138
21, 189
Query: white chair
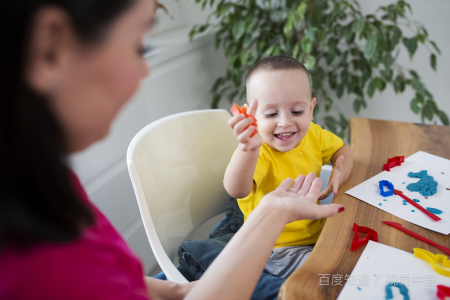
177, 165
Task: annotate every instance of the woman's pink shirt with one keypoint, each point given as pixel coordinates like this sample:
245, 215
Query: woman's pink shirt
99, 265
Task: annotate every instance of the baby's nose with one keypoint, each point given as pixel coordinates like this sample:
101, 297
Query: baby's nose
284, 122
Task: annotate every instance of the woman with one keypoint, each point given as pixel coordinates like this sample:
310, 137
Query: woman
67, 67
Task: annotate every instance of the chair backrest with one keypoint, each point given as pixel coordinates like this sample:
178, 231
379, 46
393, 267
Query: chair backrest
177, 165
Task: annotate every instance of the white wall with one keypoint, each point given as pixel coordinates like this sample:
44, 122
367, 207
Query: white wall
395, 107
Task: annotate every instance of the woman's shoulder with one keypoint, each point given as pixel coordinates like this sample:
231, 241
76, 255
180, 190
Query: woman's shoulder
90, 267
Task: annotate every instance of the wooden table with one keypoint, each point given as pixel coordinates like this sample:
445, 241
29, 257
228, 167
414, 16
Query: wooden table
372, 143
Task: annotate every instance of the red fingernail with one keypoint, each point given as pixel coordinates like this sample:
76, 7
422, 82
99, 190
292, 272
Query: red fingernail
341, 209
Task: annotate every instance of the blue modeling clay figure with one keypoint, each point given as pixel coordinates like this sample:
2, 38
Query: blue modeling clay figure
418, 174
426, 186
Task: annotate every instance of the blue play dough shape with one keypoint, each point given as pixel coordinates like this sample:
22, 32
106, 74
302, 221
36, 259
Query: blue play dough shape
359, 288
379, 204
416, 200
418, 174
434, 210
426, 186
412, 210
401, 286
387, 184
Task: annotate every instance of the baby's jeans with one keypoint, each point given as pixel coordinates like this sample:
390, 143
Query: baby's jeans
285, 260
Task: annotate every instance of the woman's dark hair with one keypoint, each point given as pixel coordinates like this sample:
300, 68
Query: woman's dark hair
38, 202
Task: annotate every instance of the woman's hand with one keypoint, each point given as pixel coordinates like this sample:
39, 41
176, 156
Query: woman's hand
167, 290
243, 129
300, 200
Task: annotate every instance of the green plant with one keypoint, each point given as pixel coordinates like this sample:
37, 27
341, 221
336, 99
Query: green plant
344, 51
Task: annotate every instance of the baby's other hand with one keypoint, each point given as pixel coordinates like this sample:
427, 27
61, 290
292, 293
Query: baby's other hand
243, 129
336, 179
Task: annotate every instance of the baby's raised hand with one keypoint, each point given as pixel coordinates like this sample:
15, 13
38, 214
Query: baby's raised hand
336, 179
243, 129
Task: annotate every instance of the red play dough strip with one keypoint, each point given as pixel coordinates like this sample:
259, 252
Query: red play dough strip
356, 242
417, 236
393, 162
416, 205
443, 292
236, 110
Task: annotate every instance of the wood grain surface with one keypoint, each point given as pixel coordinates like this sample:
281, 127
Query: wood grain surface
372, 143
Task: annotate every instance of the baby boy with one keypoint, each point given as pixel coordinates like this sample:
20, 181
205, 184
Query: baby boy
288, 145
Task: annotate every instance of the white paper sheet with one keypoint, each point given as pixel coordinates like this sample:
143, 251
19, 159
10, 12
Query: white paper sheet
380, 264
437, 167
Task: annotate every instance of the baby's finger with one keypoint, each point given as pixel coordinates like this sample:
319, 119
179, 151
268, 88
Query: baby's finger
253, 107
234, 120
326, 192
336, 185
306, 184
245, 135
242, 125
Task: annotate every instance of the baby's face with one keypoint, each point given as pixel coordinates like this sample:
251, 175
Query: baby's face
285, 107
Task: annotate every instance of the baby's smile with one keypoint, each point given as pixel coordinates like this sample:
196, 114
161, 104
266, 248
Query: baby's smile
285, 136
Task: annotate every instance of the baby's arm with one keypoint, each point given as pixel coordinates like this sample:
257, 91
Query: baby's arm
342, 161
238, 179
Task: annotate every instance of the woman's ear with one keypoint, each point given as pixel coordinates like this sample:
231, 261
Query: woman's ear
311, 107
48, 50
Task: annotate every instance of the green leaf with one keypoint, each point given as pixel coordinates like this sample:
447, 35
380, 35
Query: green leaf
223, 10
417, 85
357, 105
244, 57
411, 45
414, 74
420, 98
340, 90
330, 122
444, 118
269, 51
387, 75
377, 83
192, 32
238, 29
330, 57
371, 89
435, 47
433, 61
306, 45
421, 38
399, 84
296, 48
232, 95
396, 35
332, 81
415, 106
309, 62
370, 49
427, 111
358, 26
287, 29
215, 101
388, 60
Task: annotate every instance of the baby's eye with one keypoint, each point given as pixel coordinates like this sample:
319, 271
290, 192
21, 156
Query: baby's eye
297, 113
271, 115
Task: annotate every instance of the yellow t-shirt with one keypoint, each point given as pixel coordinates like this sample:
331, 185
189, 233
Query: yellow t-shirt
313, 151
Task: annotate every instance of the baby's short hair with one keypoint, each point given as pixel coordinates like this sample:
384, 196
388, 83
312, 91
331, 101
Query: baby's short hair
277, 62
